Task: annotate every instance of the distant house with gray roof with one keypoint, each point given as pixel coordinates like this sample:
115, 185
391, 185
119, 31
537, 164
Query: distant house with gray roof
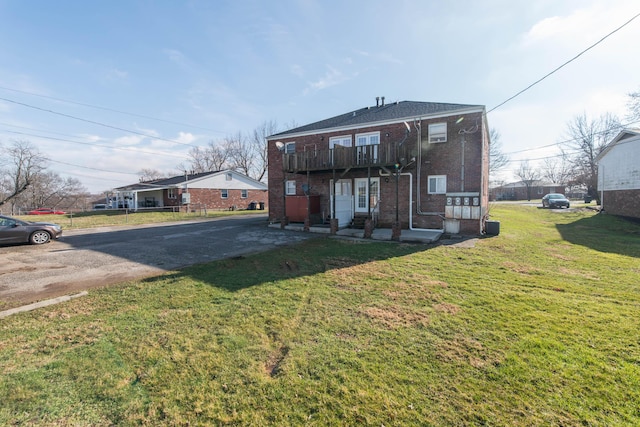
215, 190
403, 165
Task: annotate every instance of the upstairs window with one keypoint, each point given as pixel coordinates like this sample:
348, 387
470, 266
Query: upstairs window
229, 176
437, 132
437, 184
343, 141
368, 139
244, 194
290, 147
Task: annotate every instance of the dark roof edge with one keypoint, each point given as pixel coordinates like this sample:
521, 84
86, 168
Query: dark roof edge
318, 127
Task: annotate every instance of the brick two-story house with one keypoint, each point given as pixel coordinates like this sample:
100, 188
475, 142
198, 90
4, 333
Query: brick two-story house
417, 165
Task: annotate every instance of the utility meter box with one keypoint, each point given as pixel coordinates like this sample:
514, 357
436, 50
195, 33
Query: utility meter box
186, 198
462, 205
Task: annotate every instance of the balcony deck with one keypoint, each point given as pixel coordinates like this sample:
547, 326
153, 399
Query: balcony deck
379, 155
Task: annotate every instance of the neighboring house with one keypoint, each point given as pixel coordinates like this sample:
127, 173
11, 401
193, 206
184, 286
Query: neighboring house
220, 190
619, 175
518, 190
343, 170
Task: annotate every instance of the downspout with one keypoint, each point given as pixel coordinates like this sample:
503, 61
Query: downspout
602, 190
485, 173
410, 175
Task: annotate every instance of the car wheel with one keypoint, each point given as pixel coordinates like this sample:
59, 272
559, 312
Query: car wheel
39, 237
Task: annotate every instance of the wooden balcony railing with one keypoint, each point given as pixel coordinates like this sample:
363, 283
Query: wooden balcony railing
385, 154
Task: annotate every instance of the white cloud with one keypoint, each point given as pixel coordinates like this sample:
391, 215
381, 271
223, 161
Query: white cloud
186, 137
331, 78
581, 27
129, 140
297, 70
117, 74
90, 138
150, 132
177, 58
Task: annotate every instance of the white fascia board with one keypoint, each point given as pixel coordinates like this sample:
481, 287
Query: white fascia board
380, 123
635, 136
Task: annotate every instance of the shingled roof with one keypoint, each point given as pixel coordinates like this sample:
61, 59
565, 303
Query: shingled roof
165, 182
382, 113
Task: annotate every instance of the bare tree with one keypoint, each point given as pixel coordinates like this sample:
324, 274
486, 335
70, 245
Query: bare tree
528, 175
557, 170
51, 190
634, 106
258, 142
21, 164
587, 139
242, 152
150, 175
213, 157
497, 159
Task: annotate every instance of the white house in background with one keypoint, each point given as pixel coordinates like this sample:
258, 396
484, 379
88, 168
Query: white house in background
218, 190
619, 174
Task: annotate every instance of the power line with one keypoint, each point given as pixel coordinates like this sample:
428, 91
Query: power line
136, 150
90, 168
563, 65
97, 123
97, 107
621, 126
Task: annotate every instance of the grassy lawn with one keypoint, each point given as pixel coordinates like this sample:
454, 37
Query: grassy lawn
537, 326
106, 218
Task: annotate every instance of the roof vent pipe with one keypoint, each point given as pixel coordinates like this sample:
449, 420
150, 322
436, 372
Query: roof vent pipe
377, 101
383, 101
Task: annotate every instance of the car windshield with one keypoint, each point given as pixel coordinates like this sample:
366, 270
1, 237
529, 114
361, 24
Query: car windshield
556, 196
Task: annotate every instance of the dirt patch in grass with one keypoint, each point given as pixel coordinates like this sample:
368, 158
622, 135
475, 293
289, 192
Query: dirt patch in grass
395, 316
574, 272
447, 308
467, 350
275, 361
518, 268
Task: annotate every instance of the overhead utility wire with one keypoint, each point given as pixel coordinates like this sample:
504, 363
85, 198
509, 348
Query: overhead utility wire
568, 140
98, 123
563, 65
90, 168
97, 145
110, 109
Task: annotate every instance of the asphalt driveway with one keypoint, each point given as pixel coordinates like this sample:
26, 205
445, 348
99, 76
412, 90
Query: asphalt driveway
84, 259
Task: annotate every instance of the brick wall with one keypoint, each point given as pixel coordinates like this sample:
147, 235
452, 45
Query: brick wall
212, 198
622, 203
437, 159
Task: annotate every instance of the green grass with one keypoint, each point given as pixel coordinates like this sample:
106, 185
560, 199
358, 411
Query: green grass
537, 326
121, 217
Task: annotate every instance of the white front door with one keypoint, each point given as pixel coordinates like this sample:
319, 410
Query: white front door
366, 197
344, 201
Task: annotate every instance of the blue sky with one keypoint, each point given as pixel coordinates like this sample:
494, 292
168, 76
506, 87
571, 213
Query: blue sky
182, 73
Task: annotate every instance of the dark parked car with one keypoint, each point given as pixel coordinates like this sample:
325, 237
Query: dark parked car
13, 230
554, 200
45, 211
